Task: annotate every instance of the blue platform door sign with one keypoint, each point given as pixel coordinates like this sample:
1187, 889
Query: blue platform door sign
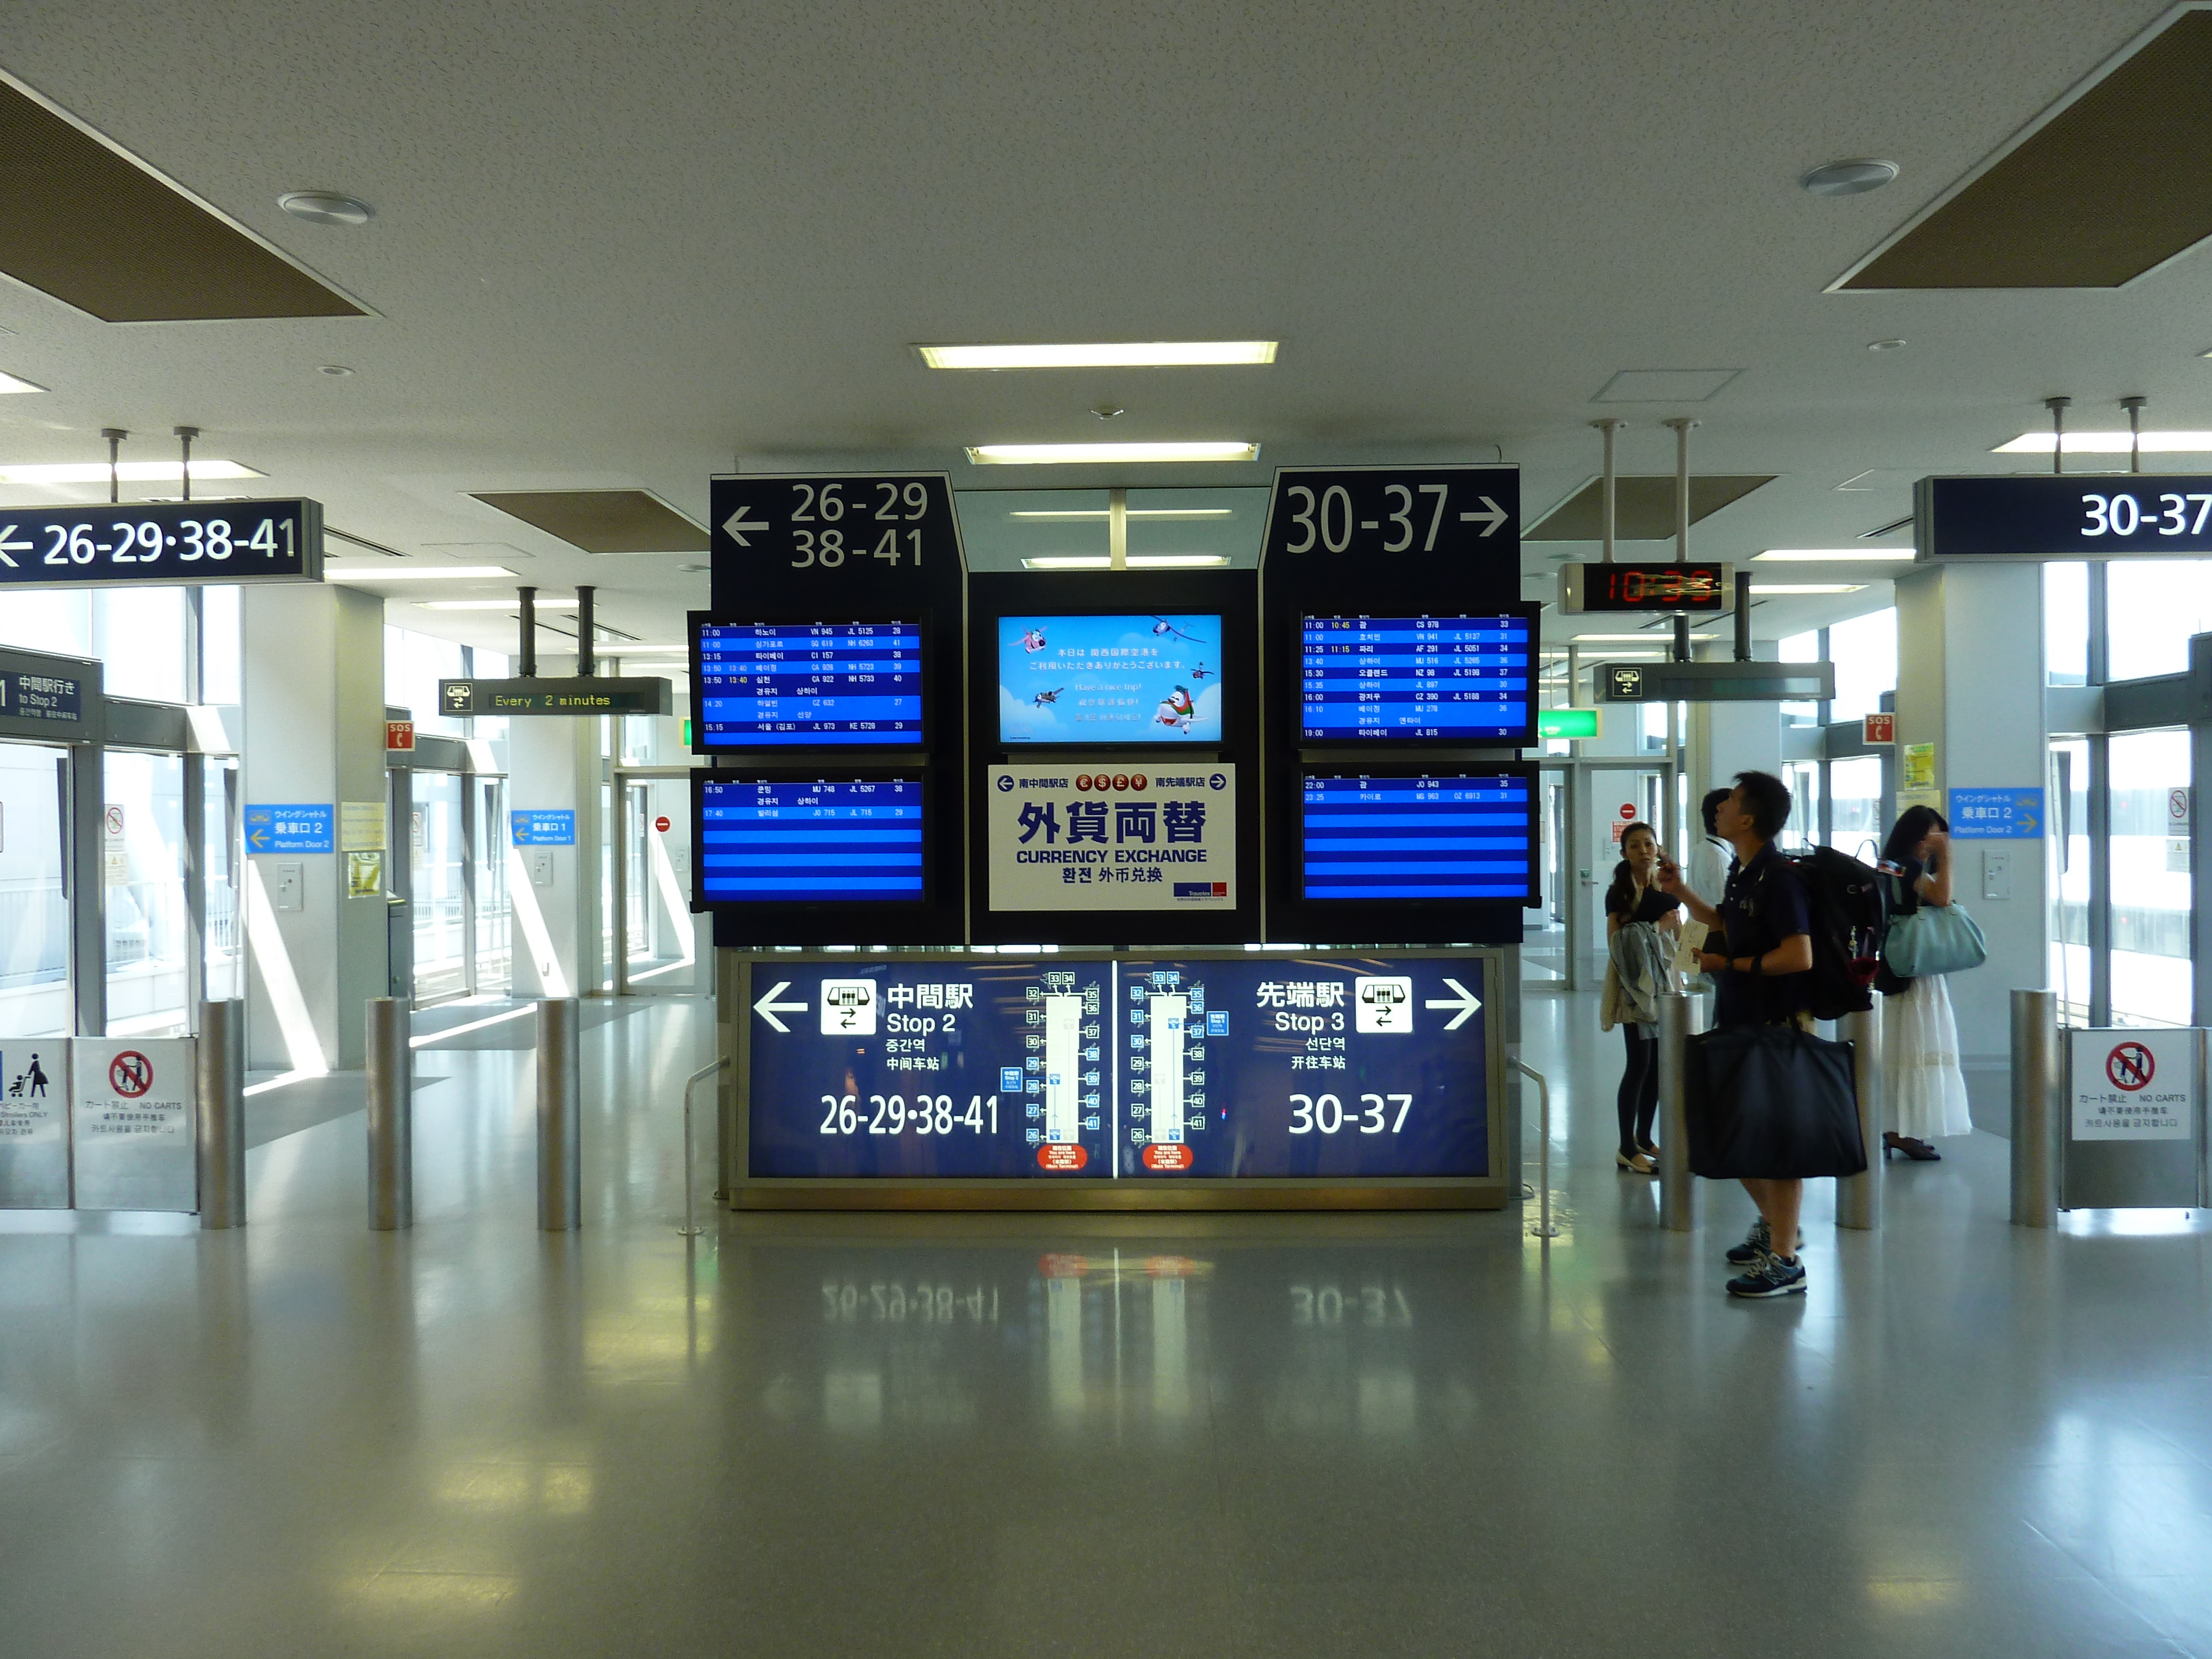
544, 829
291, 827
1996, 814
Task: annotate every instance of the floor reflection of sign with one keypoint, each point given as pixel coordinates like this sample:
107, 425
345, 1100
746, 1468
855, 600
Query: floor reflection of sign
132, 1124
2136, 1087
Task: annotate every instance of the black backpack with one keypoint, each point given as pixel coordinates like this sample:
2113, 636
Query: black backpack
1850, 916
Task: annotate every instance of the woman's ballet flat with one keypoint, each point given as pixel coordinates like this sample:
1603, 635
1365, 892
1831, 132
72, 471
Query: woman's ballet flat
1638, 1164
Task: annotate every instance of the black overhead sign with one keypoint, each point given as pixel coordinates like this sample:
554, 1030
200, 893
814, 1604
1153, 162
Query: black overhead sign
857, 539
1384, 519
141, 544
1715, 682
586, 695
56, 698
2083, 515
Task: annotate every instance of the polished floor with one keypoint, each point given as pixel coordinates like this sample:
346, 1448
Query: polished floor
1030, 1436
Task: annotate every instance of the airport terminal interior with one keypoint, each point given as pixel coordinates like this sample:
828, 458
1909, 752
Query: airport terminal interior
992, 830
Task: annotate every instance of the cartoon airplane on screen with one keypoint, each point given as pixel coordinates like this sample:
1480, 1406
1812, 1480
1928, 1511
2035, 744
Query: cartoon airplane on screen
1045, 698
1161, 625
1177, 709
1033, 639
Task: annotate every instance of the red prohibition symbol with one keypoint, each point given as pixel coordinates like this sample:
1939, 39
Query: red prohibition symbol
2130, 1066
130, 1074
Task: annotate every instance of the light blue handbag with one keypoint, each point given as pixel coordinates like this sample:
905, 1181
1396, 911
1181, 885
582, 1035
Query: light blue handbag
1933, 939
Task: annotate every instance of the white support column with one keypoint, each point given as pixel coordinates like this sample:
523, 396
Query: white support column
553, 765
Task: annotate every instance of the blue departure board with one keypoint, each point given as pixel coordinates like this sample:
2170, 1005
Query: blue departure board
777, 685
779, 841
1466, 679
1455, 835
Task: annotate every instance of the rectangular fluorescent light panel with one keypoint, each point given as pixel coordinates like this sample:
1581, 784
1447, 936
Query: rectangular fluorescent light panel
1075, 454
1807, 588
413, 573
496, 604
10, 384
73, 472
1136, 561
1835, 555
1152, 354
2110, 443
1100, 515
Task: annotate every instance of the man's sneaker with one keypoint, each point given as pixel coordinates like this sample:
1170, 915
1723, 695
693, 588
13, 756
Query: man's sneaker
1754, 1247
1771, 1276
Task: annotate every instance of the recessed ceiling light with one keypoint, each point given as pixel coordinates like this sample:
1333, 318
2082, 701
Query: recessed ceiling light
1136, 561
1099, 514
325, 207
1151, 353
1835, 555
1073, 455
1885, 345
68, 472
1639, 639
10, 384
495, 604
413, 573
336, 370
1849, 178
2110, 443
1807, 588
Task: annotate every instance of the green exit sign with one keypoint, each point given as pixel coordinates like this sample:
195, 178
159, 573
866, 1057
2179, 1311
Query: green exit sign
1570, 722
687, 734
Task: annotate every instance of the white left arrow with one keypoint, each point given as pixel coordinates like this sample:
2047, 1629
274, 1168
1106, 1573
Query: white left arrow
9, 544
1489, 520
1467, 1002
767, 1007
737, 524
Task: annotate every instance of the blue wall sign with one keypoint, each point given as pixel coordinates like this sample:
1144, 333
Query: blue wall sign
294, 827
544, 829
1996, 814
1192, 1068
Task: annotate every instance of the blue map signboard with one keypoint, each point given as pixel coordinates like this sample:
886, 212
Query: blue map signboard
1319, 1066
548, 828
291, 827
1996, 814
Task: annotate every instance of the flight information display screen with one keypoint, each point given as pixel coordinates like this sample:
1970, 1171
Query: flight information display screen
1466, 679
1415, 835
781, 841
1120, 680
765, 686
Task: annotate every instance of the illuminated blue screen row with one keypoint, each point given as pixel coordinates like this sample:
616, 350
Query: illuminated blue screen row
1461, 836
765, 686
780, 843
1467, 678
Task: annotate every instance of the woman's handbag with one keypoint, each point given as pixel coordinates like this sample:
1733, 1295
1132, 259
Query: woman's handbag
1933, 939
1771, 1102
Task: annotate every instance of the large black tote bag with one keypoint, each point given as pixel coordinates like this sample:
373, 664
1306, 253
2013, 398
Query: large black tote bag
1772, 1102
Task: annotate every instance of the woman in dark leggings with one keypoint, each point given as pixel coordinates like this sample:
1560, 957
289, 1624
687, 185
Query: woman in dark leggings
1633, 901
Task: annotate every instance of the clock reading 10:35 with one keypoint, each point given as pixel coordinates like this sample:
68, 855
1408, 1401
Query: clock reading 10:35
1589, 588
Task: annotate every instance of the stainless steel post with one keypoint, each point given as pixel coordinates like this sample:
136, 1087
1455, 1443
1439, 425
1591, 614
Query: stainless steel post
691, 1228
1679, 1019
221, 1062
1858, 1198
560, 1115
391, 1116
2038, 1068
1545, 1227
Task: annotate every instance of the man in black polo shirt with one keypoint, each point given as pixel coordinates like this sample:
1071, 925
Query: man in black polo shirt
1764, 977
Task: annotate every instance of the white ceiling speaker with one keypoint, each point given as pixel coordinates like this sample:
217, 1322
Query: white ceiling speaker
325, 207
1849, 178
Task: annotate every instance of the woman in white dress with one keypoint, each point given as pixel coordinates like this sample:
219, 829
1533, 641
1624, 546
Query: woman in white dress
1921, 1075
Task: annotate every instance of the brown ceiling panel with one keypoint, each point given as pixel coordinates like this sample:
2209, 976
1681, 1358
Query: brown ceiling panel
1643, 507
89, 226
2111, 186
603, 520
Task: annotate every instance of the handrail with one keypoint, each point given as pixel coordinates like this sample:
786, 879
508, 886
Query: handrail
1544, 1228
689, 1230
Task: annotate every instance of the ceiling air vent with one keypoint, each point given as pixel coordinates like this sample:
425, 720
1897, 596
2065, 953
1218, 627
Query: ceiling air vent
2105, 187
603, 520
98, 229
1643, 507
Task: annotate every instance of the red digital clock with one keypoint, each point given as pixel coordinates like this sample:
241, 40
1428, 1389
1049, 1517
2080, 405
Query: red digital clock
1694, 589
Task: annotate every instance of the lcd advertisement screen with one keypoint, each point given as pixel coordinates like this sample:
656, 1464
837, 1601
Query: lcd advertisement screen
1466, 679
782, 841
1461, 835
765, 686
1114, 680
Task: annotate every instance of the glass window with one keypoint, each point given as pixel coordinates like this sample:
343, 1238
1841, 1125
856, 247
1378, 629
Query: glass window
2151, 608
34, 935
142, 867
413, 664
1864, 651
494, 908
439, 898
226, 939
1803, 828
2066, 624
1799, 648
2070, 920
2151, 884
59, 622
1855, 807
139, 637
221, 656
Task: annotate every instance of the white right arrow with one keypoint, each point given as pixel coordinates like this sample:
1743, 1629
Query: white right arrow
737, 524
9, 544
767, 1007
1467, 1002
1490, 521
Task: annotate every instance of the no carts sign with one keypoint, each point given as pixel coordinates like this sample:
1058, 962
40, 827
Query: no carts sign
2140, 1086
131, 1132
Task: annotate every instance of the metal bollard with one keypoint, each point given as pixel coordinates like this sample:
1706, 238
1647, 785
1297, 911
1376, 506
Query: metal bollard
391, 1115
1858, 1198
2038, 1069
1545, 1227
1680, 1018
560, 1115
223, 1115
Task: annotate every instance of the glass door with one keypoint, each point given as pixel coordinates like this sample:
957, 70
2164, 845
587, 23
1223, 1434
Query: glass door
2072, 961
224, 944
1855, 823
659, 934
1617, 797
34, 930
2152, 889
436, 852
492, 902
143, 869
